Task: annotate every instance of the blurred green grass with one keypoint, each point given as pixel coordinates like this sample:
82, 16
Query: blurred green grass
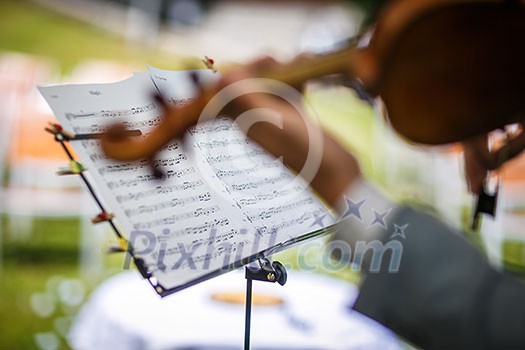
28, 264
514, 257
34, 264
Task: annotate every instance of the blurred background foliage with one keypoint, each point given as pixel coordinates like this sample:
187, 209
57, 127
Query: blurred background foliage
31, 28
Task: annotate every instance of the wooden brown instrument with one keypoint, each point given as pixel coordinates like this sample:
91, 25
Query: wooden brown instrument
445, 69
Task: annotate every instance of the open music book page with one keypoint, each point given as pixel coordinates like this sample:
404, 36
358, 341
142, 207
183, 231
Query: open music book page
223, 200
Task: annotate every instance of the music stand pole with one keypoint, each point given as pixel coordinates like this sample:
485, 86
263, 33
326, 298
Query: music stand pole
266, 272
248, 313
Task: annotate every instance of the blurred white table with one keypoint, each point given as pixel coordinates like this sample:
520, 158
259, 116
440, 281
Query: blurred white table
125, 313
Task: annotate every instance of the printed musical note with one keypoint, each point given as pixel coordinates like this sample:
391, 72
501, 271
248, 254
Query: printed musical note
268, 213
175, 218
255, 184
72, 116
174, 203
199, 229
222, 143
148, 178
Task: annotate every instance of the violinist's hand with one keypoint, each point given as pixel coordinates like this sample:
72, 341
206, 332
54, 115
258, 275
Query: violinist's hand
281, 127
479, 159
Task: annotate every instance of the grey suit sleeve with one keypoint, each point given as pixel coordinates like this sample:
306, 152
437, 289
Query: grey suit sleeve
444, 295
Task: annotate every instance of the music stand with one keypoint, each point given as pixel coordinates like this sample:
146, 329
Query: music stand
266, 272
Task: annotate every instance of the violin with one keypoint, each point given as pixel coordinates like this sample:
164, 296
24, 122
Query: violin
446, 70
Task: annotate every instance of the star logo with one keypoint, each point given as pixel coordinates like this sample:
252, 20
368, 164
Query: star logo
318, 220
399, 231
353, 208
379, 218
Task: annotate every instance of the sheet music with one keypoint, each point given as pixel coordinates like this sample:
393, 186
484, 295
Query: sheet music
223, 198
275, 201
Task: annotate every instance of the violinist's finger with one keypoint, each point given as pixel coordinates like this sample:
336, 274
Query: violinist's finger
479, 160
511, 149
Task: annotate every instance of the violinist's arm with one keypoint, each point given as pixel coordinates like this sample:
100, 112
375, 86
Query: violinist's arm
444, 293
285, 134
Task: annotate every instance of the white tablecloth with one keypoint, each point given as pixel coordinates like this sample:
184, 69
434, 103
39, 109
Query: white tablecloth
125, 313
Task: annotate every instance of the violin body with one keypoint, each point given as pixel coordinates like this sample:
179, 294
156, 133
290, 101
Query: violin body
455, 71
446, 70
